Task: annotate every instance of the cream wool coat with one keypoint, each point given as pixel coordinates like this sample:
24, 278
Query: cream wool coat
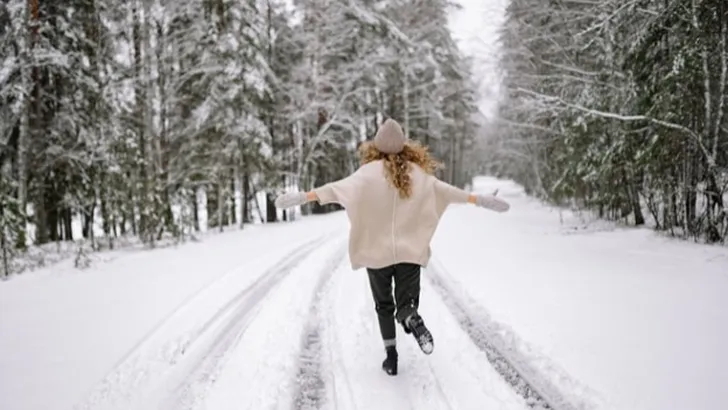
384, 228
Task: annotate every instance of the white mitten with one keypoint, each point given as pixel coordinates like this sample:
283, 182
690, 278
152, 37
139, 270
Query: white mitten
492, 203
290, 199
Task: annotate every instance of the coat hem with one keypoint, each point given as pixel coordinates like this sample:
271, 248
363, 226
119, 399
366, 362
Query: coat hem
423, 262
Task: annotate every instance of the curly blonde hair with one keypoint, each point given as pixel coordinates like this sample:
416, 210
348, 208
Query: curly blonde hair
398, 166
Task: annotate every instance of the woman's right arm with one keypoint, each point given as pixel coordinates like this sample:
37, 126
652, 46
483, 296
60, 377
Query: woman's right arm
333, 192
337, 192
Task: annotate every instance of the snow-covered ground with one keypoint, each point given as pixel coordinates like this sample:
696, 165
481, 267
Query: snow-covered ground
621, 318
63, 330
272, 317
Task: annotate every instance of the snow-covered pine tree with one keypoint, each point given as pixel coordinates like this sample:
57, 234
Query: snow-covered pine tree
618, 106
156, 119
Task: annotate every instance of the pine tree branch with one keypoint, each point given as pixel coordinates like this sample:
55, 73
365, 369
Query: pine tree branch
631, 118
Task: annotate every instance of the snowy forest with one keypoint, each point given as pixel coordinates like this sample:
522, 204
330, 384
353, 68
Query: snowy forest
619, 107
124, 113
150, 119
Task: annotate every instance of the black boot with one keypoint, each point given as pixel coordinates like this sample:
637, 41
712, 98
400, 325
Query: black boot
390, 363
416, 325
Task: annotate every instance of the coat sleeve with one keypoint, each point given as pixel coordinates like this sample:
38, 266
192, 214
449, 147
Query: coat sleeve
339, 192
446, 194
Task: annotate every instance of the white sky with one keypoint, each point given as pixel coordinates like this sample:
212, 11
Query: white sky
475, 27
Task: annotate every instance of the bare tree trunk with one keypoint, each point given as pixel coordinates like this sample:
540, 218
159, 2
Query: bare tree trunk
451, 160
233, 214
633, 197
270, 209
130, 214
24, 132
220, 204
461, 175
270, 215
51, 226
195, 210
44, 227
257, 206
244, 194
723, 86
141, 117
67, 217
105, 217
162, 148
6, 256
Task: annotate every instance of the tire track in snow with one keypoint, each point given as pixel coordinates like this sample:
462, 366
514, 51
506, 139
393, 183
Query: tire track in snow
160, 355
190, 300
538, 392
227, 327
340, 388
311, 386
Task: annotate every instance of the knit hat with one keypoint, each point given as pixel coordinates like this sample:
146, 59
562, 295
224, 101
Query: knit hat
390, 139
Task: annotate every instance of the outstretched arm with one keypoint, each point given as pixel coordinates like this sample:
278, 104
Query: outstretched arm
333, 192
448, 194
490, 202
293, 199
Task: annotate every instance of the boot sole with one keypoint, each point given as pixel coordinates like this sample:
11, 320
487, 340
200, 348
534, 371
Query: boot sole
427, 347
425, 341
390, 372
423, 337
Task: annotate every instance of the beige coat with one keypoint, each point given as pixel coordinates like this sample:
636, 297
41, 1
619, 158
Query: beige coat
384, 228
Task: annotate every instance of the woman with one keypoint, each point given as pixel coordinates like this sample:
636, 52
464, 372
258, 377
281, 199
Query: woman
394, 204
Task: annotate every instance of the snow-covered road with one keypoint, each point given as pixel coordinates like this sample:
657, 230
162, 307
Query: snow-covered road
273, 318
301, 335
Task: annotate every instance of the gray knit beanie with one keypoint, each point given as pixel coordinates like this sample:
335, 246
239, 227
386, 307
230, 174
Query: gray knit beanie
390, 139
